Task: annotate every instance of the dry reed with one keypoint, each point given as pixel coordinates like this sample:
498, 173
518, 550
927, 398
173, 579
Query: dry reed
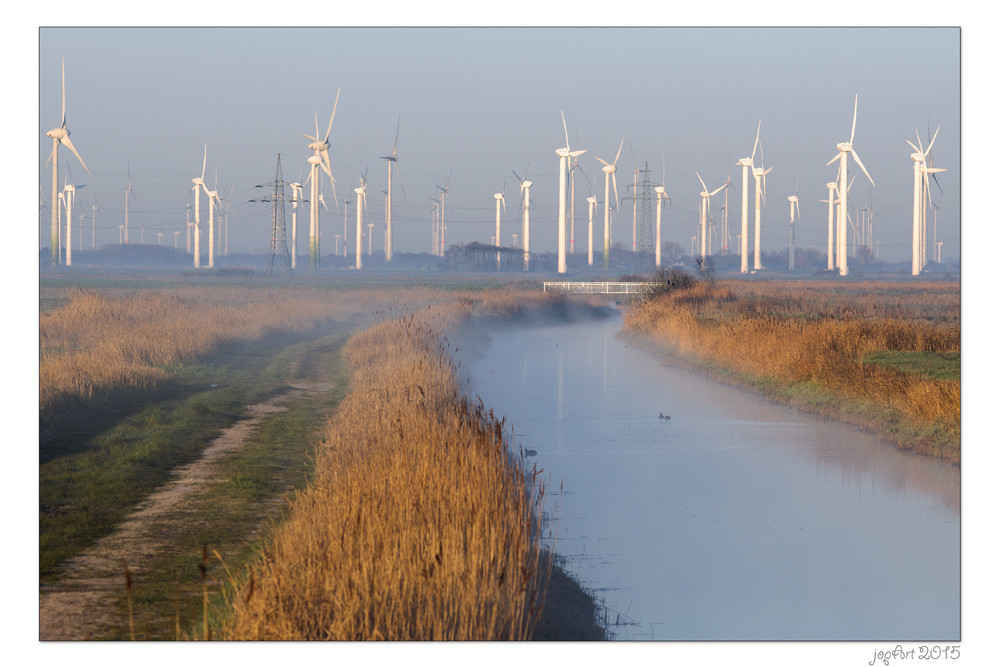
419, 524
820, 333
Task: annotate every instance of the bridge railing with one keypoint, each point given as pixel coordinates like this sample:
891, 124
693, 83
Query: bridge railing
598, 287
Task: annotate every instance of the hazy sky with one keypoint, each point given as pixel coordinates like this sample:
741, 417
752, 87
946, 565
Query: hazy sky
484, 102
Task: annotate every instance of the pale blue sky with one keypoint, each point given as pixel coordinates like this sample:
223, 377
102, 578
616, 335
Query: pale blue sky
484, 102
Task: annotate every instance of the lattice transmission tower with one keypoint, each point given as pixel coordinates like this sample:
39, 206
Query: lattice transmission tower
645, 196
277, 197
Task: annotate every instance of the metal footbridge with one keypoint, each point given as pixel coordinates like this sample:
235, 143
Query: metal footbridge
597, 287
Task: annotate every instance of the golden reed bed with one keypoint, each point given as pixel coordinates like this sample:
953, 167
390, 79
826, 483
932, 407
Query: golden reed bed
819, 334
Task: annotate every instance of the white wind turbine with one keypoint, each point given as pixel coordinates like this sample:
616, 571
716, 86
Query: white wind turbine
500, 201
442, 225
319, 158
793, 202
564, 155
68, 196
920, 172
296, 196
59, 135
128, 191
705, 200
392, 160
830, 201
213, 198
360, 200
199, 183
746, 163
526, 198
661, 194
845, 148
760, 181
609, 177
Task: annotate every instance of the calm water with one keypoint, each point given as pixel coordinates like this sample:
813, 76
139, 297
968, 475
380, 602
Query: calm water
735, 519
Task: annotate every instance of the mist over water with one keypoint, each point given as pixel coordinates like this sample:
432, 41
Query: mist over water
734, 519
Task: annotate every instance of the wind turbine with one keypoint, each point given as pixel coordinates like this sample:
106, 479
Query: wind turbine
213, 197
68, 195
392, 160
661, 194
831, 187
93, 224
442, 225
746, 163
319, 158
296, 195
705, 199
609, 177
845, 148
760, 181
564, 155
500, 200
526, 198
793, 202
128, 191
360, 201
59, 135
920, 171
199, 183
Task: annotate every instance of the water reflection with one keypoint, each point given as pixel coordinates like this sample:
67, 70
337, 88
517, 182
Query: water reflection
736, 518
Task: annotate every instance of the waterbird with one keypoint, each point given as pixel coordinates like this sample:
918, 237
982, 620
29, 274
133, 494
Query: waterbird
663, 416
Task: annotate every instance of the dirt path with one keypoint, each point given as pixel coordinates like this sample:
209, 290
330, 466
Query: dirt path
84, 602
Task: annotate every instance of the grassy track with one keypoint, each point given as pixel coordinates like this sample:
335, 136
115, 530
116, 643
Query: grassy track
90, 481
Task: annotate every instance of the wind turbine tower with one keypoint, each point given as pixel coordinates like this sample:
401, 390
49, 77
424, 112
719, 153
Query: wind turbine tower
747, 164
793, 202
526, 198
564, 155
609, 177
393, 161
360, 200
199, 183
59, 135
319, 158
845, 148
500, 201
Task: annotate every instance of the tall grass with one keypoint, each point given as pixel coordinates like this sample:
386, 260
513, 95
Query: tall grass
115, 339
820, 334
419, 524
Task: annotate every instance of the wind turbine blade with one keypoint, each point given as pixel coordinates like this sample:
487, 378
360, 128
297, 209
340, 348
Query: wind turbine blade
704, 187
316, 123
913, 147
835, 158
858, 160
917, 132
615, 181
519, 179
798, 210
932, 139
64, 92
717, 189
49, 158
601, 161
754, 154
396, 143
855, 121
70, 145
565, 131
328, 127
204, 161
310, 138
619, 150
